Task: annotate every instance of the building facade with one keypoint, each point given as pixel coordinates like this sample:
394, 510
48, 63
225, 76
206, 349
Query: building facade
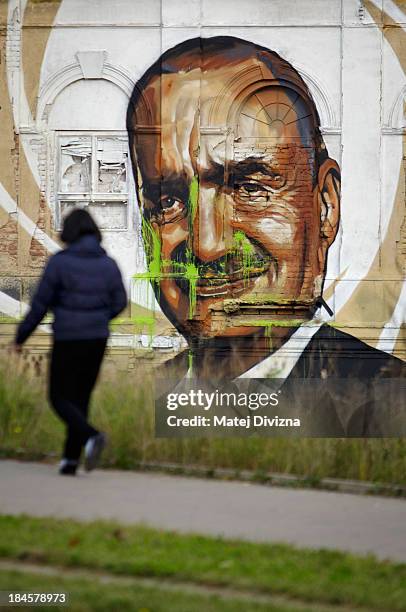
68, 69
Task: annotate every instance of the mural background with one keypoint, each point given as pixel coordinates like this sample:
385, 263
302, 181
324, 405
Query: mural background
68, 69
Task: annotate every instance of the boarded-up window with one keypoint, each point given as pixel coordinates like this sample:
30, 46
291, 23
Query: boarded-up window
93, 173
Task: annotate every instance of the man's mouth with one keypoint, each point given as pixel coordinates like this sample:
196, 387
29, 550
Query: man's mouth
229, 275
234, 283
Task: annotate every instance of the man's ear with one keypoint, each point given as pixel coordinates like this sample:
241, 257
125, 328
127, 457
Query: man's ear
328, 196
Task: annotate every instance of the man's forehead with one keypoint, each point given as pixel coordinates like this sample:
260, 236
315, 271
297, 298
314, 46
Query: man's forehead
171, 96
193, 89
182, 104
217, 74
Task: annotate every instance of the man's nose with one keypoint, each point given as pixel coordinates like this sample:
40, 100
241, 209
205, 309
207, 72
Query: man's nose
211, 228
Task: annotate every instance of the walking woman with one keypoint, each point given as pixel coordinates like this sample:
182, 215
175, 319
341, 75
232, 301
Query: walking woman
83, 288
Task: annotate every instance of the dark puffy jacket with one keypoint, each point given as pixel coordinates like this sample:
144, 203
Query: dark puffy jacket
83, 288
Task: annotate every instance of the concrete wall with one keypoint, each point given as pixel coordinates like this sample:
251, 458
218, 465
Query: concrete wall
68, 69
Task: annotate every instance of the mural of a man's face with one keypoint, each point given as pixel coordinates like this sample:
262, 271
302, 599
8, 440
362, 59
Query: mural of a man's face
239, 197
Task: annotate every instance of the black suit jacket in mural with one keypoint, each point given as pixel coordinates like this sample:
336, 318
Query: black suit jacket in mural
333, 353
339, 387
360, 390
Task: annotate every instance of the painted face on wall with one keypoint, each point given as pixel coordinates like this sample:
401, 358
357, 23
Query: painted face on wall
240, 202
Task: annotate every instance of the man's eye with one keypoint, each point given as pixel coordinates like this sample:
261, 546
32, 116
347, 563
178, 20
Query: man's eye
170, 209
169, 201
252, 189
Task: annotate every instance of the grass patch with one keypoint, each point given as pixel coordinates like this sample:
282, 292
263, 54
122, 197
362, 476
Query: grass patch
89, 595
123, 406
323, 576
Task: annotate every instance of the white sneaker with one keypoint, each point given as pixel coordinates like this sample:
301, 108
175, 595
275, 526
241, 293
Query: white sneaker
68, 467
93, 449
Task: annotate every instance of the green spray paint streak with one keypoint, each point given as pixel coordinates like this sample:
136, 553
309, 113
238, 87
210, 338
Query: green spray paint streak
142, 322
192, 275
140, 325
156, 266
153, 250
268, 325
193, 200
191, 272
152, 245
244, 247
275, 323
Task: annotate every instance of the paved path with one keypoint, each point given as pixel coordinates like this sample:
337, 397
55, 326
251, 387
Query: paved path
317, 519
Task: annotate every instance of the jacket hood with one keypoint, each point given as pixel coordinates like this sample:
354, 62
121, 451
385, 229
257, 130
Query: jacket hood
86, 246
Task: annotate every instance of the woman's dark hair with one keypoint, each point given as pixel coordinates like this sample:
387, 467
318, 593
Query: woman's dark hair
79, 223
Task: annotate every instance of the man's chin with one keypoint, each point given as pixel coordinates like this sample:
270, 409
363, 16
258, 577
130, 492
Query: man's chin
219, 317
206, 330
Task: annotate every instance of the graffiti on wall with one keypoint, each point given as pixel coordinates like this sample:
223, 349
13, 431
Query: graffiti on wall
236, 165
240, 199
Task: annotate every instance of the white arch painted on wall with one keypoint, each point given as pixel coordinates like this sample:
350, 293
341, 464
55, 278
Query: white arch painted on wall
72, 73
396, 119
322, 99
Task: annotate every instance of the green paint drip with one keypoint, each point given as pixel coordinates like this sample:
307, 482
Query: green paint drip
140, 323
268, 336
153, 250
275, 323
243, 248
157, 266
268, 325
193, 198
192, 275
191, 272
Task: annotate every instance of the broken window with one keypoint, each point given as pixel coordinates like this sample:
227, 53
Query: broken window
75, 164
111, 165
93, 173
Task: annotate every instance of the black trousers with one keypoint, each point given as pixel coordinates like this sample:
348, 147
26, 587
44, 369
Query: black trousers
74, 368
